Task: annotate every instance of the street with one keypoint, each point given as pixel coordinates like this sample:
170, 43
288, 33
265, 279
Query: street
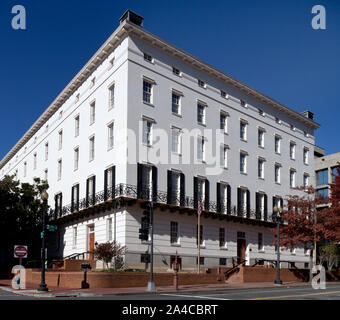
332, 292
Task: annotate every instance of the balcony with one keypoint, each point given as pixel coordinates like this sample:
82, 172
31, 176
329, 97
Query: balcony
123, 195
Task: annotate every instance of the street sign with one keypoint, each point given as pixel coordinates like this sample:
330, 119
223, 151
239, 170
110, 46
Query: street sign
52, 228
20, 251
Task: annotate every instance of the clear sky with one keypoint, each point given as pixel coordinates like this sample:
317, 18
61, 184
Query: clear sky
270, 45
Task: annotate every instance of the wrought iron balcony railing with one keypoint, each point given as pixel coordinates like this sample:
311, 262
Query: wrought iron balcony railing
161, 197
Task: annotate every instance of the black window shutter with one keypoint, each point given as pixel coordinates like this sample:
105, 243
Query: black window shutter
248, 204
182, 192
207, 194
281, 203
61, 203
218, 197
72, 199
139, 180
113, 191
239, 203
94, 191
154, 183
169, 195
87, 192
195, 192
257, 205
78, 197
274, 203
105, 184
265, 207
228, 199
56, 205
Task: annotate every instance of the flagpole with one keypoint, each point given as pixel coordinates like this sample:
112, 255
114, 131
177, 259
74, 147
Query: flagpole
199, 230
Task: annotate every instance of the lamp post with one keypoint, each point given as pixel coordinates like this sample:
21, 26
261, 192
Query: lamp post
43, 286
278, 218
151, 283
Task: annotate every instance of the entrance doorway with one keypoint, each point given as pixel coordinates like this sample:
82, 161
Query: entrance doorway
91, 241
241, 246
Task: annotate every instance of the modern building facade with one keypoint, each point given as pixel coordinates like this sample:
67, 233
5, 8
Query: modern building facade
326, 168
145, 120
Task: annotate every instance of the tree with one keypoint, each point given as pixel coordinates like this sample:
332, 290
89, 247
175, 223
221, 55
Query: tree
108, 251
20, 217
301, 223
328, 254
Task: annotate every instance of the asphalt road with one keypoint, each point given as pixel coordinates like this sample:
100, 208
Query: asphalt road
332, 292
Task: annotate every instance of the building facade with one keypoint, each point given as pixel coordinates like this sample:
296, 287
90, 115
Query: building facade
145, 120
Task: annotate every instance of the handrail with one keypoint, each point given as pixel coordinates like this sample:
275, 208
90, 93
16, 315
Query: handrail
76, 255
235, 267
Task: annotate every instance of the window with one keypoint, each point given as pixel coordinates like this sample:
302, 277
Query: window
260, 138
147, 57
261, 199
111, 97
175, 103
261, 112
92, 112
305, 155
147, 87
243, 130
93, 82
109, 182
223, 261
243, 200
243, 162
243, 103
322, 192
224, 156
277, 141
76, 126
201, 234
221, 237
292, 150
109, 229
292, 127
76, 158
322, 177
200, 149
201, 83
176, 71
175, 184
292, 178
59, 168
223, 94
147, 131
200, 113
260, 246
145, 258
175, 143
91, 148
77, 98
334, 173
91, 190
111, 63
34, 161
60, 139
146, 177
201, 189
260, 168
110, 136
46, 151
25, 169
174, 239
277, 169
75, 198
75, 231
305, 180
277, 120
223, 197
223, 122
60, 114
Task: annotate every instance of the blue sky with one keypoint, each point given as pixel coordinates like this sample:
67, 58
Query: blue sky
269, 45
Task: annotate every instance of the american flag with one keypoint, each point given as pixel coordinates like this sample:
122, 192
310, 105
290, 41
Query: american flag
199, 207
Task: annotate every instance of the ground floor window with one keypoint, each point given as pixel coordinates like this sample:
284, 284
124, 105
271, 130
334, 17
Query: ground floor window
145, 258
201, 261
223, 261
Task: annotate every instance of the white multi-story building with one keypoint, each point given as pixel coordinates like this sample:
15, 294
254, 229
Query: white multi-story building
120, 131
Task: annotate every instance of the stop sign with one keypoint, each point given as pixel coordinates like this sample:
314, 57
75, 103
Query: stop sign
20, 251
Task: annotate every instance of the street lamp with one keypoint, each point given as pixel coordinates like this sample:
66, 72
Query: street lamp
278, 218
43, 286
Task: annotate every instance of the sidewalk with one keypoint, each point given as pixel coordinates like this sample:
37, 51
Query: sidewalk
31, 290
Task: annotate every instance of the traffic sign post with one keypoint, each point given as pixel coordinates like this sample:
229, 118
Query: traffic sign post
20, 252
